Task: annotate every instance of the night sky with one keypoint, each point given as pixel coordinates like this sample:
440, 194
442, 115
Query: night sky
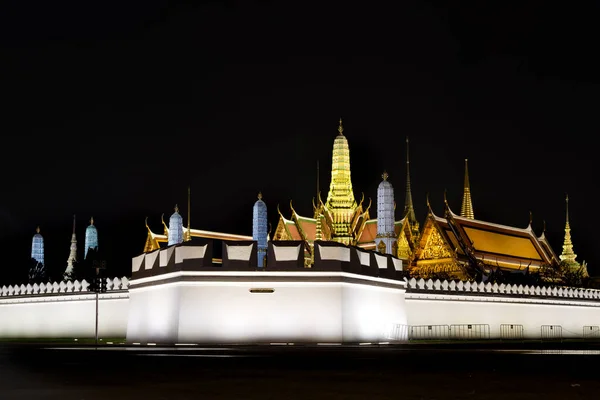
112, 108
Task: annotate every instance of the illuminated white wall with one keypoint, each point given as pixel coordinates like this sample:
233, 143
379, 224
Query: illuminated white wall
429, 309
64, 315
439, 302
210, 310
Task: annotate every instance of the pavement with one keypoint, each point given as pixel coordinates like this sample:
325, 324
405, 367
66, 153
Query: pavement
424, 371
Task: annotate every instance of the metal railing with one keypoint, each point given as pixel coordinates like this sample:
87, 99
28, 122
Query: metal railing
428, 332
551, 332
591, 332
469, 331
511, 332
397, 332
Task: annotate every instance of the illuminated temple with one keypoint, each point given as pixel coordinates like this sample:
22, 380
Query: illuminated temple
447, 246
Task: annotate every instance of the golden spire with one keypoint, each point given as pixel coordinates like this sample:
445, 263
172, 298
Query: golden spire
260, 195
37, 230
467, 205
176, 208
385, 175
92, 221
340, 199
341, 128
409, 209
568, 255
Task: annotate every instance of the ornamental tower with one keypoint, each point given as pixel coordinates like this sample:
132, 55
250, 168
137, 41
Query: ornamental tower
467, 206
37, 247
568, 256
259, 228
386, 238
91, 238
72, 255
340, 199
175, 228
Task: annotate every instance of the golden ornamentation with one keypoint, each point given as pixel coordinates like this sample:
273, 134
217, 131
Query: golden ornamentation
436, 247
403, 247
381, 247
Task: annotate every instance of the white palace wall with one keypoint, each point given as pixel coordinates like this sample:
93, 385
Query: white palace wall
251, 307
64, 311
441, 306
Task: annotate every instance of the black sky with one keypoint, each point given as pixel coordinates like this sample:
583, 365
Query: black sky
112, 109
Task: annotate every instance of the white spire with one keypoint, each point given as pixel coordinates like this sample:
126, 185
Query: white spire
72, 255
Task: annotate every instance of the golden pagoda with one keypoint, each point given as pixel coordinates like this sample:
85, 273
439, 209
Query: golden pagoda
340, 218
568, 257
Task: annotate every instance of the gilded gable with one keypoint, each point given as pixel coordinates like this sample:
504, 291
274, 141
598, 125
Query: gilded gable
436, 247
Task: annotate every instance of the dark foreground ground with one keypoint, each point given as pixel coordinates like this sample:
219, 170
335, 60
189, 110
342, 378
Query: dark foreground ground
299, 372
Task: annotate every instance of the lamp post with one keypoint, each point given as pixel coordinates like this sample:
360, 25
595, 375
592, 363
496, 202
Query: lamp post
98, 285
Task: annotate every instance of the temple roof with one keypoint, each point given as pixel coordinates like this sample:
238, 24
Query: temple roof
499, 243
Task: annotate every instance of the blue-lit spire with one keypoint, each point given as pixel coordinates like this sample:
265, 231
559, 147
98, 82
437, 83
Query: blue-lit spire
91, 238
259, 228
37, 247
175, 228
385, 238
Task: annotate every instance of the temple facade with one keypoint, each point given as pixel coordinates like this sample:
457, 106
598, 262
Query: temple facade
446, 246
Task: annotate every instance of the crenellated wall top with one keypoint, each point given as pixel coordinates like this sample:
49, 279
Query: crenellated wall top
454, 287
112, 285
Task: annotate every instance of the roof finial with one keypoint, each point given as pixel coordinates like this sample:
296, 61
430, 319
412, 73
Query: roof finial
385, 175
530, 218
544, 229
466, 210
567, 202
427, 197
341, 128
445, 197
37, 230
260, 195
189, 206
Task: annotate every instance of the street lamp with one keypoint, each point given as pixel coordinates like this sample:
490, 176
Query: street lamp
98, 285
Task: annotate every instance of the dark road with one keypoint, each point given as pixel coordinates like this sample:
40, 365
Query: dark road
295, 372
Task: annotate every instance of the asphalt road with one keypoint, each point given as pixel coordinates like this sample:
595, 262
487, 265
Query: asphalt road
296, 372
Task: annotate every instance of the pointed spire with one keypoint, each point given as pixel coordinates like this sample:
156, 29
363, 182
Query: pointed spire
409, 210
189, 206
260, 195
568, 255
466, 210
176, 208
73, 223
37, 230
385, 175
92, 221
341, 128
318, 184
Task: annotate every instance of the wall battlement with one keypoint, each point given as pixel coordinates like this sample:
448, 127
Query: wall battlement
112, 284
450, 287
